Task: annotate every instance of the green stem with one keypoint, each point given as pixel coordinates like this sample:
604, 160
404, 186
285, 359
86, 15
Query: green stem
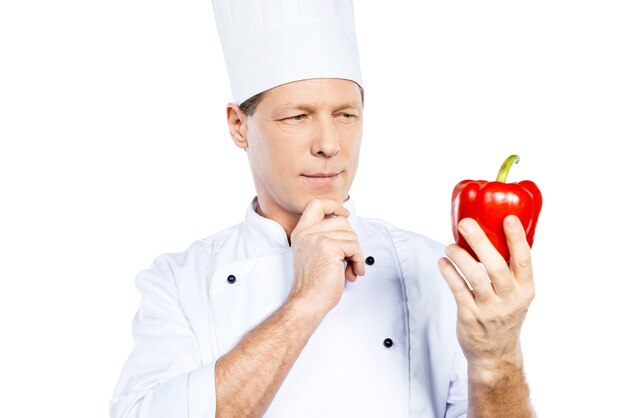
506, 166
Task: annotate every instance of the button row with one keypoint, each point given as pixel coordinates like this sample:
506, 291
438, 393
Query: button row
388, 342
369, 261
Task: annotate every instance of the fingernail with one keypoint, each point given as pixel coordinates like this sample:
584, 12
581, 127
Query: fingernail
512, 222
467, 226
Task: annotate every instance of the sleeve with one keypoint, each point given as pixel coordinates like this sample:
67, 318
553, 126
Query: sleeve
456, 406
164, 376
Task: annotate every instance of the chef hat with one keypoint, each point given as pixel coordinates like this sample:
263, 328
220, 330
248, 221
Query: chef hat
267, 43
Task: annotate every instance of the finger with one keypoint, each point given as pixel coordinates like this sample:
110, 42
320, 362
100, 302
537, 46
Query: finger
357, 268
489, 256
338, 223
350, 274
521, 262
340, 235
352, 253
460, 290
317, 209
472, 271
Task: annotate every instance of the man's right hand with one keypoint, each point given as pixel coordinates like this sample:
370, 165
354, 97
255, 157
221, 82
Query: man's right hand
321, 241
248, 377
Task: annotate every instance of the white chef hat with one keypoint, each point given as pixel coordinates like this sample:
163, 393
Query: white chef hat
267, 43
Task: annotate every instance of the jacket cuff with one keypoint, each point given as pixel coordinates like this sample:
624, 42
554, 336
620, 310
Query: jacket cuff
201, 395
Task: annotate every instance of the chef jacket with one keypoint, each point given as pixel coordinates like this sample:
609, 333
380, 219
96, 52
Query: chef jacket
388, 349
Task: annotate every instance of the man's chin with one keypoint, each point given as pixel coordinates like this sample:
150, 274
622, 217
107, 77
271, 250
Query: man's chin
341, 197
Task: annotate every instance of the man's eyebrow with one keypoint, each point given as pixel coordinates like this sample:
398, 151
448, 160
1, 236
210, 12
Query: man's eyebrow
296, 106
349, 105
308, 108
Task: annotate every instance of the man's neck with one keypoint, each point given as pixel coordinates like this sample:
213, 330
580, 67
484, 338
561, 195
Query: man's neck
288, 220
285, 219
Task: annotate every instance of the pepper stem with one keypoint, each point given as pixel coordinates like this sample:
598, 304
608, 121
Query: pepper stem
506, 166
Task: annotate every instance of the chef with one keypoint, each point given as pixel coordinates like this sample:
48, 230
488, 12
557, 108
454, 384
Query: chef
305, 309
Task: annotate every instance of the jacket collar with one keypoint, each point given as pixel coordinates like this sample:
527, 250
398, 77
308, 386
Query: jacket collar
263, 236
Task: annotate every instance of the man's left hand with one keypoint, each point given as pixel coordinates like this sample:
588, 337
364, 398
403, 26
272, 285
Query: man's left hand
491, 313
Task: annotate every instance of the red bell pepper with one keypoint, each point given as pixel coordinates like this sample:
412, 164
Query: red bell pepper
490, 202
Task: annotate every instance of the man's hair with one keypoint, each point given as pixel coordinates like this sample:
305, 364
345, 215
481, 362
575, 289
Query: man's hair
250, 105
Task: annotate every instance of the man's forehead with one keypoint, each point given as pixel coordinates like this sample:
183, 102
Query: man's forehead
314, 89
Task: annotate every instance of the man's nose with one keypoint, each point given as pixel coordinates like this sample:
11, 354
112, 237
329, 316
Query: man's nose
326, 142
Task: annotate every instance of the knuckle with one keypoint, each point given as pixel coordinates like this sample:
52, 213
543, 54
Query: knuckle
501, 271
476, 239
487, 318
317, 240
328, 247
478, 271
524, 261
492, 317
340, 223
323, 240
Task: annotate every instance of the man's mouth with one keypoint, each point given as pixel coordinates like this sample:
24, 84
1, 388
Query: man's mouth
330, 174
321, 178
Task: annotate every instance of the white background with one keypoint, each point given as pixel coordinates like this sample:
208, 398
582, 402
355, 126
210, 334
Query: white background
114, 149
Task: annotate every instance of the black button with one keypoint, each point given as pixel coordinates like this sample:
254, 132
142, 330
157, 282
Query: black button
369, 260
231, 279
388, 342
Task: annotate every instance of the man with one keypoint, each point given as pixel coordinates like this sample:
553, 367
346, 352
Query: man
305, 309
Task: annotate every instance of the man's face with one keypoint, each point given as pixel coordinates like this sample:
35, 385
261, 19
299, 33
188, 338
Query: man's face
303, 142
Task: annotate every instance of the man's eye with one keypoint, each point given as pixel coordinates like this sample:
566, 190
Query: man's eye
297, 117
348, 115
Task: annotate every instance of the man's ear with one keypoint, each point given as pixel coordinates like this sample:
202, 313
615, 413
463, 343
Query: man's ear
237, 125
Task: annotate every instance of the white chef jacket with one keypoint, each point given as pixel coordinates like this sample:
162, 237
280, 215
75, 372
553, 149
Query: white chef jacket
388, 349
